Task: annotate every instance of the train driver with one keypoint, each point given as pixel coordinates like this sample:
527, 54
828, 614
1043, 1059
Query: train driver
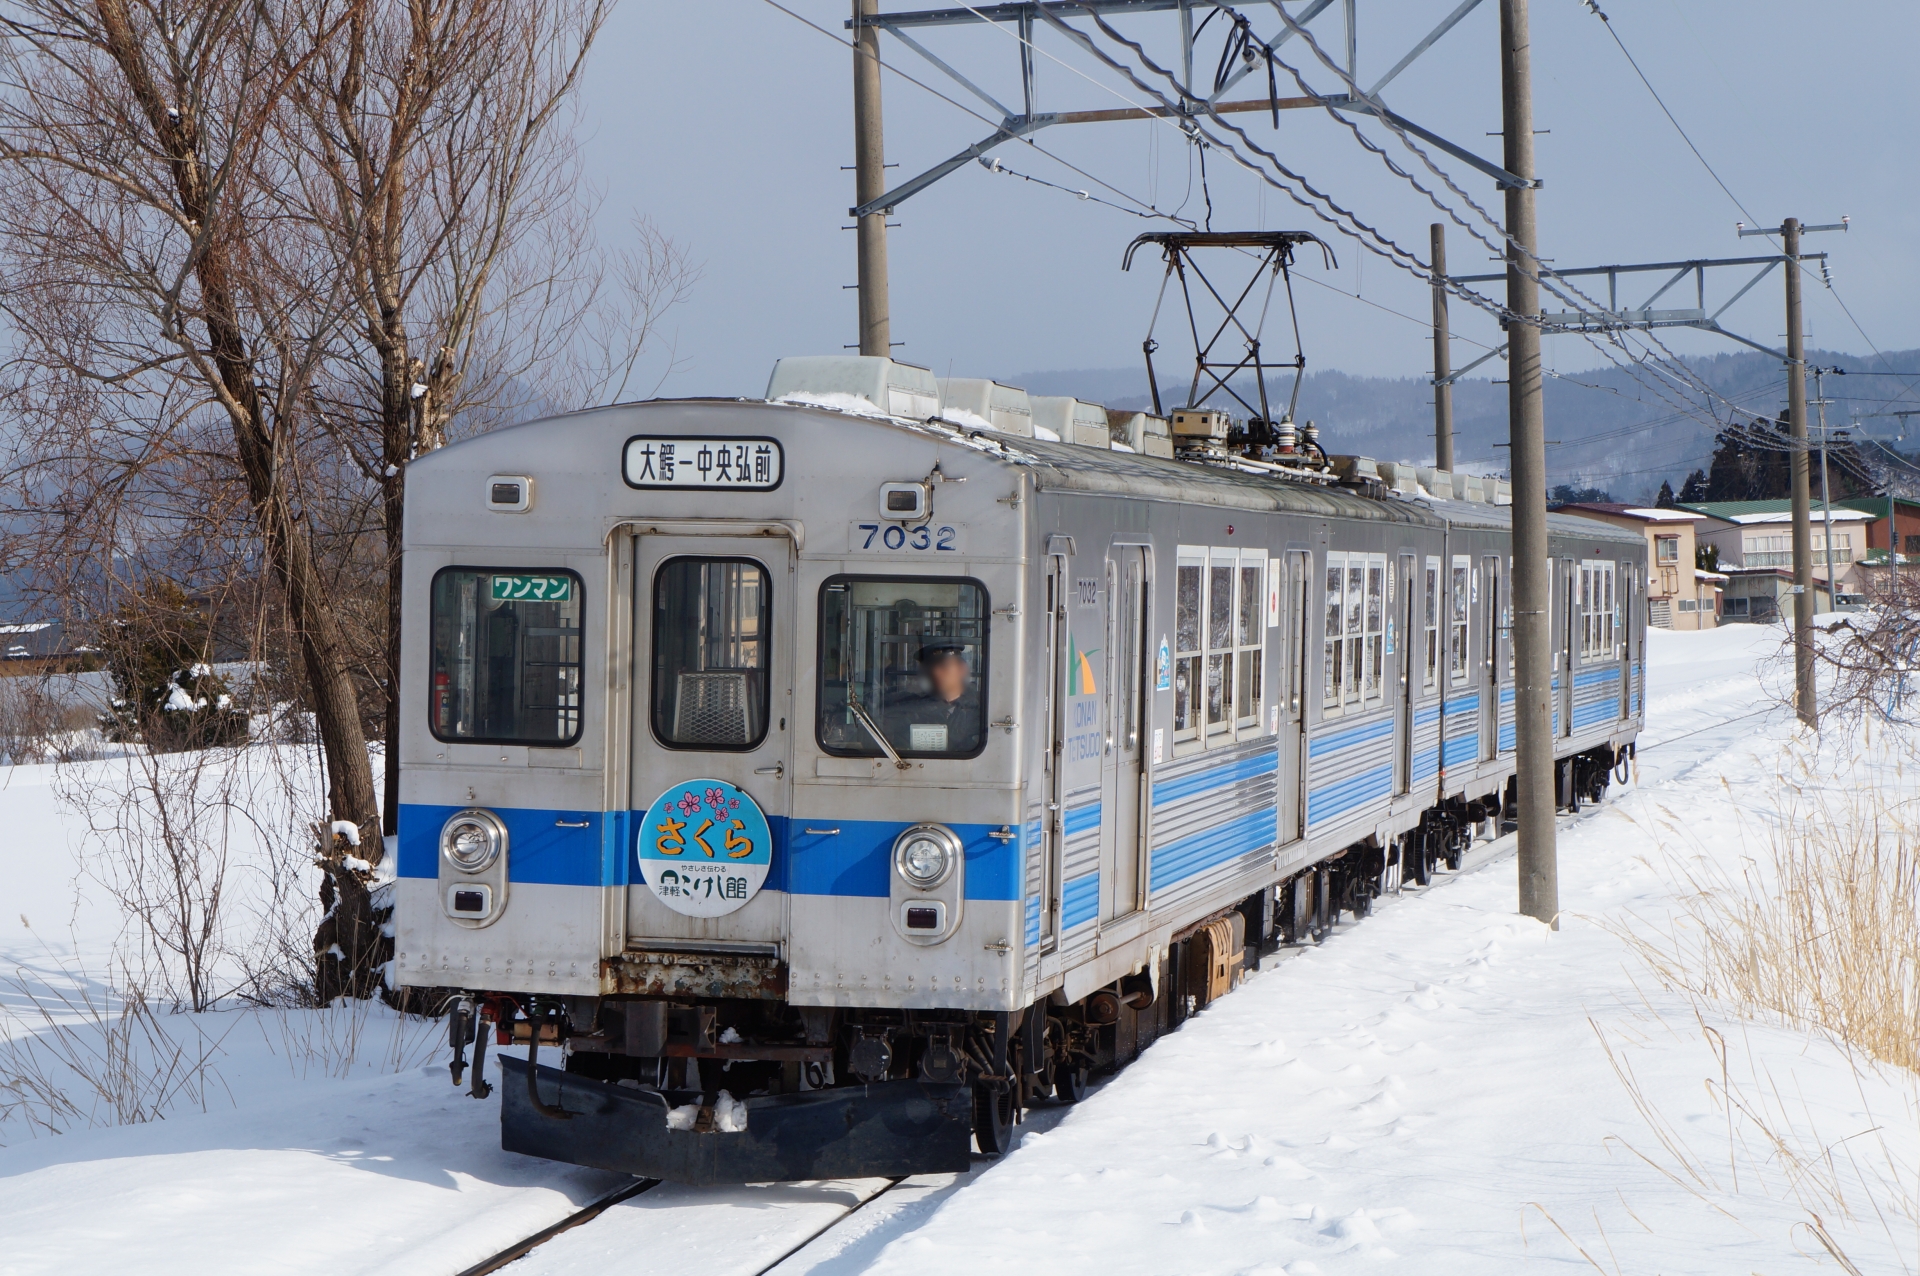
946, 717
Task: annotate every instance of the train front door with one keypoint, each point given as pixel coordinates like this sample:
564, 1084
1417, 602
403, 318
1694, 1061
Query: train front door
1491, 626
712, 641
1123, 770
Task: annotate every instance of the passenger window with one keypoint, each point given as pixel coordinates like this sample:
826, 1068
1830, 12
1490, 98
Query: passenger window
712, 621
1431, 626
1459, 596
904, 657
1218, 670
1356, 631
505, 656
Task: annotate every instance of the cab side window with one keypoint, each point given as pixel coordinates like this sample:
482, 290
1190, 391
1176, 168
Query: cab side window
506, 659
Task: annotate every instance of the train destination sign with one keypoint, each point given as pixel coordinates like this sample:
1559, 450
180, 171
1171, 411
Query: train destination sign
531, 589
704, 848
657, 462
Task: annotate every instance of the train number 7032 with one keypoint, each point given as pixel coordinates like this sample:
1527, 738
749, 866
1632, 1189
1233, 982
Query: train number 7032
888, 538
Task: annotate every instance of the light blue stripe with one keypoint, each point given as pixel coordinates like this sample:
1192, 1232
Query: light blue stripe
1216, 777
1336, 799
1426, 713
1180, 860
1459, 748
1585, 715
1323, 745
1426, 764
1080, 900
1587, 679
1081, 818
1033, 920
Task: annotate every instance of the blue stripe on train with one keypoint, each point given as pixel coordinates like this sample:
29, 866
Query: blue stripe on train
1079, 900
1261, 763
1033, 921
854, 862
1343, 795
1081, 818
1323, 745
1177, 861
1426, 764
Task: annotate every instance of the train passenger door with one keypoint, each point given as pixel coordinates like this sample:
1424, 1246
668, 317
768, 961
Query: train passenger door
1495, 595
1403, 644
713, 645
1569, 629
1123, 796
1293, 654
1052, 833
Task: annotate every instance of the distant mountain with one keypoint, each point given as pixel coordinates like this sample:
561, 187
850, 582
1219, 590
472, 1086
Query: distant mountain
1609, 428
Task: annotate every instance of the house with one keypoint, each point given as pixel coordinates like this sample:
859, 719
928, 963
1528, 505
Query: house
40, 647
1679, 594
1754, 543
1905, 513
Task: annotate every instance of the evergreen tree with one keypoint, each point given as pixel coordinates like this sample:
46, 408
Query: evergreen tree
1664, 501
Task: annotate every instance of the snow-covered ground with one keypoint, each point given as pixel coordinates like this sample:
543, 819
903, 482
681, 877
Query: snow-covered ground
1445, 1087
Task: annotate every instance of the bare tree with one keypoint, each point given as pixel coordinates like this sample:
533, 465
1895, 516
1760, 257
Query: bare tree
169, 318
257, 258
439, 164
1872, 657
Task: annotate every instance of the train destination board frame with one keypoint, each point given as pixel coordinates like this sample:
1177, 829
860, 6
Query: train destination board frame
703, 463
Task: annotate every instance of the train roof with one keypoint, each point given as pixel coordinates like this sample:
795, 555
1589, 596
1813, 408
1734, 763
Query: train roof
1054, 466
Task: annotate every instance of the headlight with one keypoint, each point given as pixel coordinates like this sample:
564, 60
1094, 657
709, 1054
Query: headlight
473, 841
925, 854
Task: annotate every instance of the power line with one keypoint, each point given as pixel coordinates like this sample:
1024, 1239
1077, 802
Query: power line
962, 106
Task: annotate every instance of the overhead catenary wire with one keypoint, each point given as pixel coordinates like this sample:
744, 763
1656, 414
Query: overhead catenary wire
962, 106
1420, 269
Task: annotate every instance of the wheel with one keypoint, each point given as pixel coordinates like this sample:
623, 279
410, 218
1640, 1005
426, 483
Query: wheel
993, 1119
1070, 1084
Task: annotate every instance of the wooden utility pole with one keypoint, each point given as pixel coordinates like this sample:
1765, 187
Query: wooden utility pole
1442, 357
869, 181
1803, 596
1532, 569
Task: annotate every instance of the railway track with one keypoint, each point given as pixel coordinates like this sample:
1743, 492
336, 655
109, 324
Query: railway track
803, 1215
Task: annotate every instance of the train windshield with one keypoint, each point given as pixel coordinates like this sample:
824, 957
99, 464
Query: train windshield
711, 625
506, 656
904, 657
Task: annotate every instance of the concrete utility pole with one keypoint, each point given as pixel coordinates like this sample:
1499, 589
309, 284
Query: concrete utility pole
1532, 569
1826, 492
1803, 596
1442, 357
870, 182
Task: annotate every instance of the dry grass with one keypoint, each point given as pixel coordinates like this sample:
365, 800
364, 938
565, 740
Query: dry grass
1819, 924
1815, 924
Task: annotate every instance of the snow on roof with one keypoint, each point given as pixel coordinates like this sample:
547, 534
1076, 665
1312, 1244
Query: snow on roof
1662, 516
1774, 511
28, 628
1645, 513
1786, 516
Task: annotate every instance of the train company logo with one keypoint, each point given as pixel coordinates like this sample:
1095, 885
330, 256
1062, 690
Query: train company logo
704, 848
1080, 670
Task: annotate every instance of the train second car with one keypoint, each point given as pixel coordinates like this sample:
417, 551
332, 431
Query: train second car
813, 784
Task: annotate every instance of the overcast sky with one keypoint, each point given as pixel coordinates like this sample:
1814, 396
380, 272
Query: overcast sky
727, 122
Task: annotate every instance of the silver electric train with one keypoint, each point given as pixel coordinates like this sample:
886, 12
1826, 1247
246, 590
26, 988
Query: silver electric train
815, 783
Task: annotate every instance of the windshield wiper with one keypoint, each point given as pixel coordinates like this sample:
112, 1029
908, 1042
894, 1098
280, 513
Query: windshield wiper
860, 714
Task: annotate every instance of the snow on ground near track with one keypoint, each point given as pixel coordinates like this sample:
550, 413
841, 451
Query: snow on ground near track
1423, 1093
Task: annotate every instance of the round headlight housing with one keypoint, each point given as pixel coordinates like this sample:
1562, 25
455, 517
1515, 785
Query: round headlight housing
925, 854
473, 841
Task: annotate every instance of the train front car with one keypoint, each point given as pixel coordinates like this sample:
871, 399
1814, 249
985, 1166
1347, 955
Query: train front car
716, 784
